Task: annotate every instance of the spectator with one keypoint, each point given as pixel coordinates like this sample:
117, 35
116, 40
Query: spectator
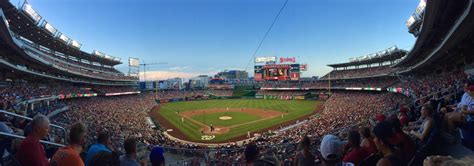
70, 155
331, 150
251, 154
305, 157
403, 116
130, 157
368, 141
31, 152
356, 153
157, 157
425, 128
103, 141
402, 140
457, 117
383, 133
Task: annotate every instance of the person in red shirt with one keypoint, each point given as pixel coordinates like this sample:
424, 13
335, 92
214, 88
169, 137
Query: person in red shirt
70, 155
402, 140
368, 141
356, 153
403, 116
31, 152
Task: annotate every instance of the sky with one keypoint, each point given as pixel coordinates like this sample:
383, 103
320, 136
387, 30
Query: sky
197, 37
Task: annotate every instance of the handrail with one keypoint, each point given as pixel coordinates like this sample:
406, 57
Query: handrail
22, 137
28, 118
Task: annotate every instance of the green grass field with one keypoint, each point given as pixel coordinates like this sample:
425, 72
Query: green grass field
295, 108
237, 118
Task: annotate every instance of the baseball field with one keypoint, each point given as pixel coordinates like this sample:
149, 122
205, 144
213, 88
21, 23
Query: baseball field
217, 121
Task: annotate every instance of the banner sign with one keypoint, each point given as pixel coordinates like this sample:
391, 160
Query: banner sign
286, 60
265, 59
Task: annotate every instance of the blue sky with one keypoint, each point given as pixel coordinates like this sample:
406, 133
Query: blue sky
206, 36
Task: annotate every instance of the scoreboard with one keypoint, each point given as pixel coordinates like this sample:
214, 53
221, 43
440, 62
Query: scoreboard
277, 72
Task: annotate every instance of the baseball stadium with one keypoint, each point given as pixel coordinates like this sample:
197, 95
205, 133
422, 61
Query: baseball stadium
234, 83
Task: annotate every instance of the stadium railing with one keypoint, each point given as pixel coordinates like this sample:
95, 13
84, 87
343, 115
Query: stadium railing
29, 119
22, 137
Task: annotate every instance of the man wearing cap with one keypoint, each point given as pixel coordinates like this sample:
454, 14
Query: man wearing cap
331, 150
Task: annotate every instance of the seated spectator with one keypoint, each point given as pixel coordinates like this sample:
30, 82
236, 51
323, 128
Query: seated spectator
368, 141
331, 150
103, 141
457, 117
402, 140
424, 129
251, 154
157, 157
356, 153
31, 152
70, 155
383, 133
403, 116
130, 157
305, 157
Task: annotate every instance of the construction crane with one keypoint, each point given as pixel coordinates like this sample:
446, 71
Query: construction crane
149, 64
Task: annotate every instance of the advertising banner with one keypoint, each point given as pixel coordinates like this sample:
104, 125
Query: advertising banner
266, 59
288, 60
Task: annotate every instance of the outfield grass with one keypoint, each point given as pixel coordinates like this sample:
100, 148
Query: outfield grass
237, 118
295, 108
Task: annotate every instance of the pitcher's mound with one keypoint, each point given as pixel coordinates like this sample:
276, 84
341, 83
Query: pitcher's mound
225, 118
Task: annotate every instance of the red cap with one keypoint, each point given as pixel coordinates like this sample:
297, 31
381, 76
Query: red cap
471, 88
380, 117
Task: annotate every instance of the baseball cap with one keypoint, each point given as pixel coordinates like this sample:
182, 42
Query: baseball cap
331, 147
471, 88
380, 117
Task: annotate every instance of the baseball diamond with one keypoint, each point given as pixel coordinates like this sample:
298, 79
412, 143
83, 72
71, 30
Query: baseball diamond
192, 119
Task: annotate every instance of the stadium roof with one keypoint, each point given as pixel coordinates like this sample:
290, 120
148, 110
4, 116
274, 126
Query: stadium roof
27, 23
440, 17
390, 54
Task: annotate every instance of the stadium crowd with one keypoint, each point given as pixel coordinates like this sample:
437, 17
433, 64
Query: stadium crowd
19, 90
345, 112
74, 68
361, 72
222, 93
113, 89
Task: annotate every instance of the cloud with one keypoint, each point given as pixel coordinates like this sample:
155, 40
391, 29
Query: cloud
180, 68
162, 75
